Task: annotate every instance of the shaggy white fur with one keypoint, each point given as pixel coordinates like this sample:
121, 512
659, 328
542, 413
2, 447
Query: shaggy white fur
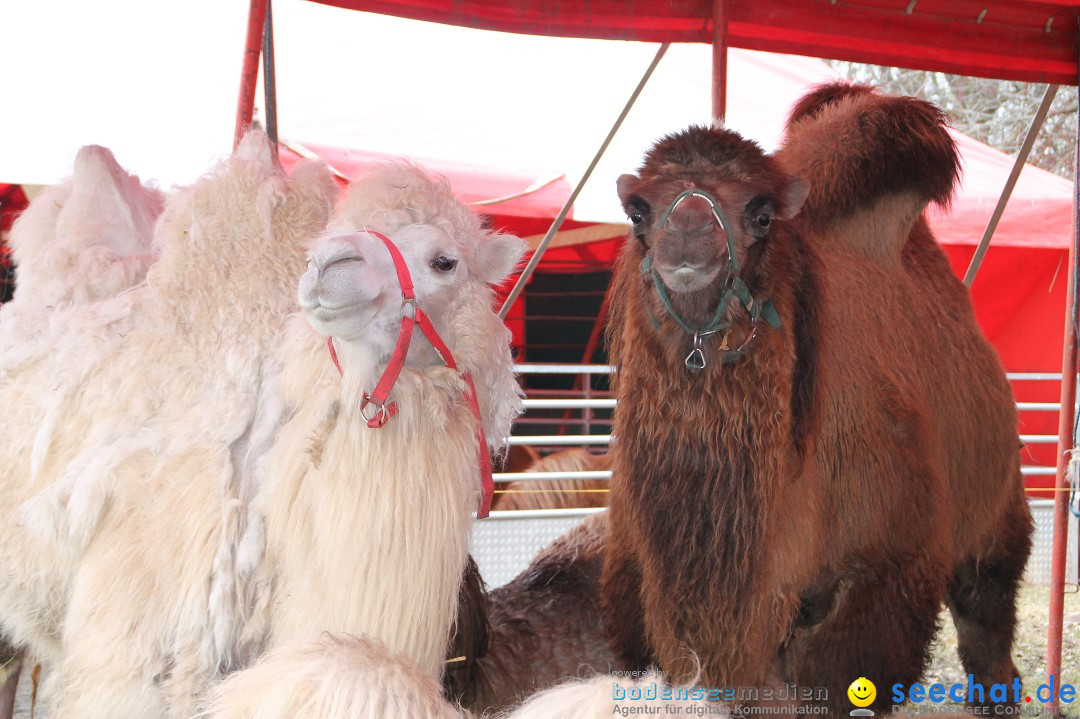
137, 596
330, 678
368, 528
81, 246
219, 430
88, 237
84, 240
340, 677
595, 699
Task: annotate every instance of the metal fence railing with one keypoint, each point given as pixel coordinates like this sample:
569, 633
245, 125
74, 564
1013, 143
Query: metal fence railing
579, 415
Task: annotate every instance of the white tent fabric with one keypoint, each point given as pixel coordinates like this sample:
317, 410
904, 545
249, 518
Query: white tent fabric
537, 104
157, 83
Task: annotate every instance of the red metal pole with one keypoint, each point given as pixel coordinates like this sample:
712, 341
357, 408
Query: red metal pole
719, 59
1065, 443
249, 74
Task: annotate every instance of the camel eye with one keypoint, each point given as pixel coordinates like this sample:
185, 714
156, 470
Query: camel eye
763, 220
636, 218
444, 263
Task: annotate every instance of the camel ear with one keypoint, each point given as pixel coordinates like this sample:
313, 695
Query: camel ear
627, 186
497, 256
792, 198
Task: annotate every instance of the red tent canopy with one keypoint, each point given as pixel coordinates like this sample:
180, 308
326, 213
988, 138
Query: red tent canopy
1030, 41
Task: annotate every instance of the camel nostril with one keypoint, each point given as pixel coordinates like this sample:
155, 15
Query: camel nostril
345, 262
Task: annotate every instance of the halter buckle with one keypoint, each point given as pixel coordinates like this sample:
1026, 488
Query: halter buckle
408, 307
749, 336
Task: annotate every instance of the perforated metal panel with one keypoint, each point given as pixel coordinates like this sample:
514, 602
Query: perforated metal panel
1038, 568
505, 542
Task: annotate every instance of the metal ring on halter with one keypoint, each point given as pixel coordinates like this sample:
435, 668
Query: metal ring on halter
409, 302
381, 415
713, 206
718, 215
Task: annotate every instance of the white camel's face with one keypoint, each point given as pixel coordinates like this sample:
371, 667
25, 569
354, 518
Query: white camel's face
351, 290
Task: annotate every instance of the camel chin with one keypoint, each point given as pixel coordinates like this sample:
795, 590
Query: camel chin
684, 279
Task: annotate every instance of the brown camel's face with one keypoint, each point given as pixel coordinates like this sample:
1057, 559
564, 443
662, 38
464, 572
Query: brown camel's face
689, 243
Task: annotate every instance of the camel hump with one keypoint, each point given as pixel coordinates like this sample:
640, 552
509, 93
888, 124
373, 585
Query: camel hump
822, 96
857, 147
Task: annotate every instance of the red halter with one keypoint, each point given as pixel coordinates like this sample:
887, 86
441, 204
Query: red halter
412, 315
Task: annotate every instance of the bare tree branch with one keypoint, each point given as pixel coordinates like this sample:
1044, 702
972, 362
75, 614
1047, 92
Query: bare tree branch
997, 112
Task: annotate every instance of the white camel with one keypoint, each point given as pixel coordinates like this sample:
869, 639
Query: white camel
216, 433
368, 528
122, 560
342, 677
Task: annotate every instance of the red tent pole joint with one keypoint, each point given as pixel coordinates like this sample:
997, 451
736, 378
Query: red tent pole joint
249, 73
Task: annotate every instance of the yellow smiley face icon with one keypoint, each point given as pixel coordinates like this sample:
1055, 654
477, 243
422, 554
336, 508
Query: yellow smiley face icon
862, 692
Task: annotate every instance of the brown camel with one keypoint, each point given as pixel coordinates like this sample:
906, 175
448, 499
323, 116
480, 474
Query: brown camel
540, 629
816, 445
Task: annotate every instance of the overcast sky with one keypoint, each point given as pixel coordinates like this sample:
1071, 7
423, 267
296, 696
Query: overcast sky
157, 83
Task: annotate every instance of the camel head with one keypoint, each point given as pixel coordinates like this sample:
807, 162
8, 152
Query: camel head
351, 290
352, 293
704, 206
704, 202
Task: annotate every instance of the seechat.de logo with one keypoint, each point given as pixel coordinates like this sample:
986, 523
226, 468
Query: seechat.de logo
1005, 697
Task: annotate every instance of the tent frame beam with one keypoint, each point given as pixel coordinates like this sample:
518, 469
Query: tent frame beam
537, 255
269, 76
1037, 122
719, 59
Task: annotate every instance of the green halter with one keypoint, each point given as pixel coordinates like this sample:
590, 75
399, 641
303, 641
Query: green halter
736, 288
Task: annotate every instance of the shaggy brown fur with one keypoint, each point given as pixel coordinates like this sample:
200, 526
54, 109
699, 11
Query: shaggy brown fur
559, 493
541, 628
800, 514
